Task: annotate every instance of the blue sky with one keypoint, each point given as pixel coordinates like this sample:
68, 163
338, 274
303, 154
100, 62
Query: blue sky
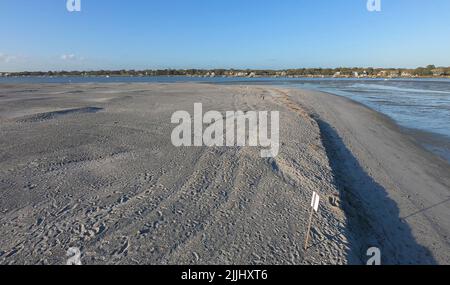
275, 34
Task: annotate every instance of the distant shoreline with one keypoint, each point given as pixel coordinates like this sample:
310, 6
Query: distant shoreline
190, 76
154, 78
430, 71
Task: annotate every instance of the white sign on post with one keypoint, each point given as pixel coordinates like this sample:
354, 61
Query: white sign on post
314, 208
315, 201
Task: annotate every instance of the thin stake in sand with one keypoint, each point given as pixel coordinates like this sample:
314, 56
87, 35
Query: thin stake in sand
314, 208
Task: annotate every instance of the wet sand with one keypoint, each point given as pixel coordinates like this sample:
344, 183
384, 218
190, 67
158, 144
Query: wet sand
92, 166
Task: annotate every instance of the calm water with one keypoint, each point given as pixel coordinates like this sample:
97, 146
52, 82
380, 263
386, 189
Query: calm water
421, 104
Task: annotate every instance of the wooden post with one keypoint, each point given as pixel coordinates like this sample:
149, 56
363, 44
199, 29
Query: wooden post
309, 228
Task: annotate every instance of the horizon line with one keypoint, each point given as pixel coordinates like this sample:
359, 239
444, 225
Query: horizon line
228, 69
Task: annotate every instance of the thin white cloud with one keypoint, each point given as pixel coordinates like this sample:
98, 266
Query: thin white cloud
70, 56
7, 58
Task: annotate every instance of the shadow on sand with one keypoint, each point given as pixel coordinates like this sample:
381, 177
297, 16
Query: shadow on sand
373, 218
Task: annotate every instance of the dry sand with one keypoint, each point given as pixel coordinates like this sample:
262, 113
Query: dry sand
92, 166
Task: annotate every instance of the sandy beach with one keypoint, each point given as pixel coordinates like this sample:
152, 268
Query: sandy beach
93, 166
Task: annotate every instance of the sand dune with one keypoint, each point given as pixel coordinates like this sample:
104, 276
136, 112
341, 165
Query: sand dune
92, 166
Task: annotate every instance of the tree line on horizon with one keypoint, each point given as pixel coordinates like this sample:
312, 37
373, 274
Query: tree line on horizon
428, 71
